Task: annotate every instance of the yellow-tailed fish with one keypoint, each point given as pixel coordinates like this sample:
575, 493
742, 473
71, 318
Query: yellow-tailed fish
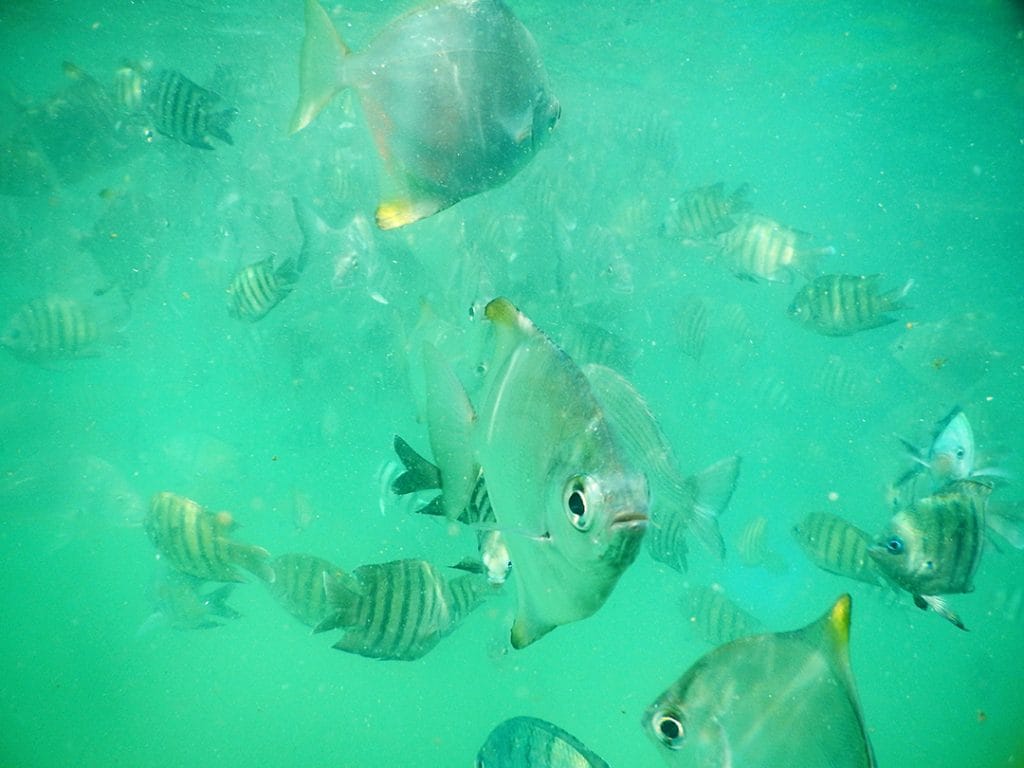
933, 546
528, 742
195, 541
678, 504
841, 305
837, 546
399, 610
568, 499
783, 699
455, 95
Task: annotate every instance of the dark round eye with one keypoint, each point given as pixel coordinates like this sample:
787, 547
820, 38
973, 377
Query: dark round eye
576, 507
960, 454
895, 545
669, 729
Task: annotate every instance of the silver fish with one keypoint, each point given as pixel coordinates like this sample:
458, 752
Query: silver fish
678, 504
195, 541
528, 742
759, 701
455, 94
705, 212
182, 110
837, 546
51, 328
841, 305
933, 546
716, 617
759, 248
298, 585
398, 610
571, 505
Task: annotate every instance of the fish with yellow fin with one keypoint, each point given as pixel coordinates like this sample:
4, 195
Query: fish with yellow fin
569, 500
781, 699
455, 95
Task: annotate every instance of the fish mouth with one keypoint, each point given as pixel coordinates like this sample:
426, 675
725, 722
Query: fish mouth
630, 519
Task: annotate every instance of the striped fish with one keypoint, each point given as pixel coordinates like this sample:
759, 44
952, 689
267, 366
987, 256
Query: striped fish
524, 742
195, 541
837, 546
705, 212
754, 551
933, 547
298, 585
182, 110
692, 324
717, 618
398, 610
759, 248
51, 328
840, 305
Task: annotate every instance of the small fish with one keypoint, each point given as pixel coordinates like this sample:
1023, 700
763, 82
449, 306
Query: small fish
692, 325
195, 541
182, 604
841, 305
678, 504
836, 546
52, 328
568, 500
398, 610
754, 551
298, 585
716, 618
759, 248
182, 110
528, 742
782, 699
703, 213
455, 95
933, 547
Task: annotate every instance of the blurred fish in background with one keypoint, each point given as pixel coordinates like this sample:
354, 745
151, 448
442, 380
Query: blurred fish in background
753, 549
841, 305
717, 618
182, 603
703, 213
753, 701
444, 132
528, 742
55, 328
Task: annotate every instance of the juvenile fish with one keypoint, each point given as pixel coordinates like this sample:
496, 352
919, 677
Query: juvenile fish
51, 328
705, 212
784, 699
841, 305
528, 742
195, 541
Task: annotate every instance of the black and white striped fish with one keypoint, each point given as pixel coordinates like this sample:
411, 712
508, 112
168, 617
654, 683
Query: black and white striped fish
195, 541
760, 248
933, 546
182, 110
837, 546
703, 213
299, 585
51, 328
840, 305
398, 610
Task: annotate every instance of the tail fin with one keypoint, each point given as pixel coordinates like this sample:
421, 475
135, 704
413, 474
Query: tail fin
896, 295
419, 475
217, 124
320, 68
343, 596
713, 488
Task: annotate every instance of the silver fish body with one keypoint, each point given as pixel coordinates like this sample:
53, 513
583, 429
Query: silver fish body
784, 699
195, 541
759, 248
841, 305
183, 110
933, 547
705, 212
455, 94
398, 610
299, 585
837, 546
51, 328
528, 742
569, 501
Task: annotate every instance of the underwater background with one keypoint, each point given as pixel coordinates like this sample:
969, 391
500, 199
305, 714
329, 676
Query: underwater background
893, 132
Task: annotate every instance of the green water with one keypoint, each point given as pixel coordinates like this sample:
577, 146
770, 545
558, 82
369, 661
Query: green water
892, 131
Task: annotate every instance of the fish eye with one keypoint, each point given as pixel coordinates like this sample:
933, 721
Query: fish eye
894, 545
575, 502
669, 729
959, 454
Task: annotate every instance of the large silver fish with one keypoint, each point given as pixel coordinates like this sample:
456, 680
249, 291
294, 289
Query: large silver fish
783, 699
570, 502
398, 610
455, 95
528, 742
195, 541
933, 546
